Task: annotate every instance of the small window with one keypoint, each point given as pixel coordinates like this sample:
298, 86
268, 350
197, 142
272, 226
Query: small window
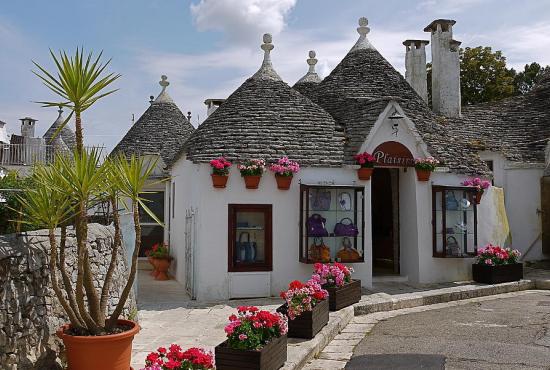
454, 219
250, 237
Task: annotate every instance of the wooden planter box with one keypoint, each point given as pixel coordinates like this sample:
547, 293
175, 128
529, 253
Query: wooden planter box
270, 357
344, 296
497, 274
308, 324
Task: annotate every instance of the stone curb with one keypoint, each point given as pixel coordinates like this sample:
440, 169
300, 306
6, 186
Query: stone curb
301, 351
370, 304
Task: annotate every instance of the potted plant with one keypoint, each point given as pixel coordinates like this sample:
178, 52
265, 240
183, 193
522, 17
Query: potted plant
479, 185
424, 167
255, 340
495, 264
174, 358
95, 337
252, 171
366, 161
161, 260
342, 290
220, 172
306, 307
284, 170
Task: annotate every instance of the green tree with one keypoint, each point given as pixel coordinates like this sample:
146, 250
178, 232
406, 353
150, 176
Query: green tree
12, 184
484, 76
526, 79
80, 83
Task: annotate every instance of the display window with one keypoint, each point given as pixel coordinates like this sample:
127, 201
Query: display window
250, 237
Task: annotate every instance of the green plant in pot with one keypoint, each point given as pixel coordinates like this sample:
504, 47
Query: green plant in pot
63, 193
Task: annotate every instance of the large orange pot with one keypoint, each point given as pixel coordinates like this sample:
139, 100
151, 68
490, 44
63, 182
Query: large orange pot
364, 173
423, 175
113, 352
152, 262
219, 181
252, 182
283, 182
163, 265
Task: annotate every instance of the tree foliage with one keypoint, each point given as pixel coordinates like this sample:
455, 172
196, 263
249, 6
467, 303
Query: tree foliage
12, 184
484, 76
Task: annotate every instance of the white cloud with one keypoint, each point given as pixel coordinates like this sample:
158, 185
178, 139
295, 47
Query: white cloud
242, 20
447, 6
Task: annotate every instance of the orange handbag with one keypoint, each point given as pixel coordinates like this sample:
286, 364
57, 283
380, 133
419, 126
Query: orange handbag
318, 251
348, 253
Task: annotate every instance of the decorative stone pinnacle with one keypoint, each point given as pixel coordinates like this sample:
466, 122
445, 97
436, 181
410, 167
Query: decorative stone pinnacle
164, 82
266, 70
363, 29
312, 61
267, 46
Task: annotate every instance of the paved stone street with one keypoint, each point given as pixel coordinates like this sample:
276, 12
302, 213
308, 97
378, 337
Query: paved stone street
504, 333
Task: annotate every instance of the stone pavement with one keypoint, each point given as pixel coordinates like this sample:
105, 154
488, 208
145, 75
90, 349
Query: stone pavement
340, 350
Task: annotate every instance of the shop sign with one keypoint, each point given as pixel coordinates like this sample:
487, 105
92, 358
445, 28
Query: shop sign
394, 154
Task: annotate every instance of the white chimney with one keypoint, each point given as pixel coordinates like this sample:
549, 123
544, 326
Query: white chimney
212, 105
445, 68
3, 133
415, 66
27, 127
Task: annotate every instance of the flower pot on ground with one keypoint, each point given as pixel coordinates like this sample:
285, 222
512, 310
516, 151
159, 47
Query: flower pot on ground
306, 307
256, 340
90, 352
424, 168
175, 358
252, 171
366, 161
151, 261
342, 290
497, 265
163, 265
220, 172
284, 171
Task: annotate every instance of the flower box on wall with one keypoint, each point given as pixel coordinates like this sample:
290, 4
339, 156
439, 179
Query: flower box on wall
498, 273
309, 323
270, 357
340, 297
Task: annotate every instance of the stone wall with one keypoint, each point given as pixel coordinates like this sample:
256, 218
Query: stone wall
29, 311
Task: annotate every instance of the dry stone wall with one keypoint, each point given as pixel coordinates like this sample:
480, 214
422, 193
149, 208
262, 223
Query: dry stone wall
29, 311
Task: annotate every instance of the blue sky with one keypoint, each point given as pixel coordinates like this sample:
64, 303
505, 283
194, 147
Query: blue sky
209, 47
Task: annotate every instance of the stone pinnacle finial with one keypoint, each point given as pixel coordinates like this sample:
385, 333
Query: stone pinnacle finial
312, 61
266, 70
267, 46
60, 110
164, 83
363, 29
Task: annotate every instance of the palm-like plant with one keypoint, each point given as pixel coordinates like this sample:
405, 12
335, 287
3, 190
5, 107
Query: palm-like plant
79, 83
65, 190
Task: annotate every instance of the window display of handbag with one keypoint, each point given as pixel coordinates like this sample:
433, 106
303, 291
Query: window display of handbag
348, 253
453, 248
450, 201
344, 200
316, 225
320, 200
318, 251
345, 229
245, 250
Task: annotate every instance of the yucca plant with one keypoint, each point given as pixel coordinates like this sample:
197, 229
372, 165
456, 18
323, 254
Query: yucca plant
80, 82
65, 190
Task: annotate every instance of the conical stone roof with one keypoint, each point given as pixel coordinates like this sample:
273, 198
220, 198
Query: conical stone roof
63, 139
162, 129
361, 86
265, 118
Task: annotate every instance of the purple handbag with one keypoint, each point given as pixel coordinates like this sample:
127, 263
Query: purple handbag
345, 229
316, 225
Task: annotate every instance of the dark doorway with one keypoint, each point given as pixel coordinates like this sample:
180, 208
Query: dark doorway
385, 221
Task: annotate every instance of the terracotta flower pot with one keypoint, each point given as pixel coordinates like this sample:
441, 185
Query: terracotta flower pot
151, 261
283, 182
252, 182
219, 181
163, 264
423, 175
364, 173
477, 197
113, 352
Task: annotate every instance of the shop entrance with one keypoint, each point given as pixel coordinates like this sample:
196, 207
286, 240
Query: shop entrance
385, 221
